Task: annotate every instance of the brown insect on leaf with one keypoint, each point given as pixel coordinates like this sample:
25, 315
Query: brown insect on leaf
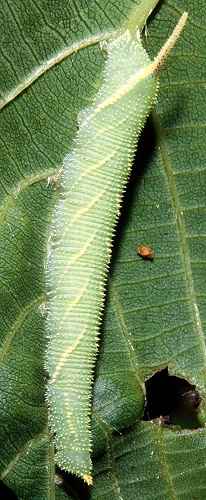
193, 397
145, 252
166, 421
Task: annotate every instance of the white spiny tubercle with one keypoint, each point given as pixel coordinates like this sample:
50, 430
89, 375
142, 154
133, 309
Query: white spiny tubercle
95, 175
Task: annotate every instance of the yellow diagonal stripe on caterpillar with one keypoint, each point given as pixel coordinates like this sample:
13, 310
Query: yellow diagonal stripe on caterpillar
82, 211
96, 166
77, 256
66, 355
74, 303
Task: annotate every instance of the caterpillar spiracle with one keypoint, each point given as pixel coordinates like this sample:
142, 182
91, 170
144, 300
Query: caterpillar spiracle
94, 179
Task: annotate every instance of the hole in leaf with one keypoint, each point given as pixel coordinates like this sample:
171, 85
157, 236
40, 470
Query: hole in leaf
6, 493
173, 399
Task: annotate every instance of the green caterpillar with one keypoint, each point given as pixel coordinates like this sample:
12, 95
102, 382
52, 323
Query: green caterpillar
94, 179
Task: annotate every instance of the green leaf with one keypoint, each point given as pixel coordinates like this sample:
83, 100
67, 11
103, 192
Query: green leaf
152, 461
155, 310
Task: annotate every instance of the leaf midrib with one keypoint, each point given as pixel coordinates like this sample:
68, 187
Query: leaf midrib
56, 59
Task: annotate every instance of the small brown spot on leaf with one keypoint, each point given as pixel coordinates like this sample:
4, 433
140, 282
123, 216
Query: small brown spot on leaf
145, 252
